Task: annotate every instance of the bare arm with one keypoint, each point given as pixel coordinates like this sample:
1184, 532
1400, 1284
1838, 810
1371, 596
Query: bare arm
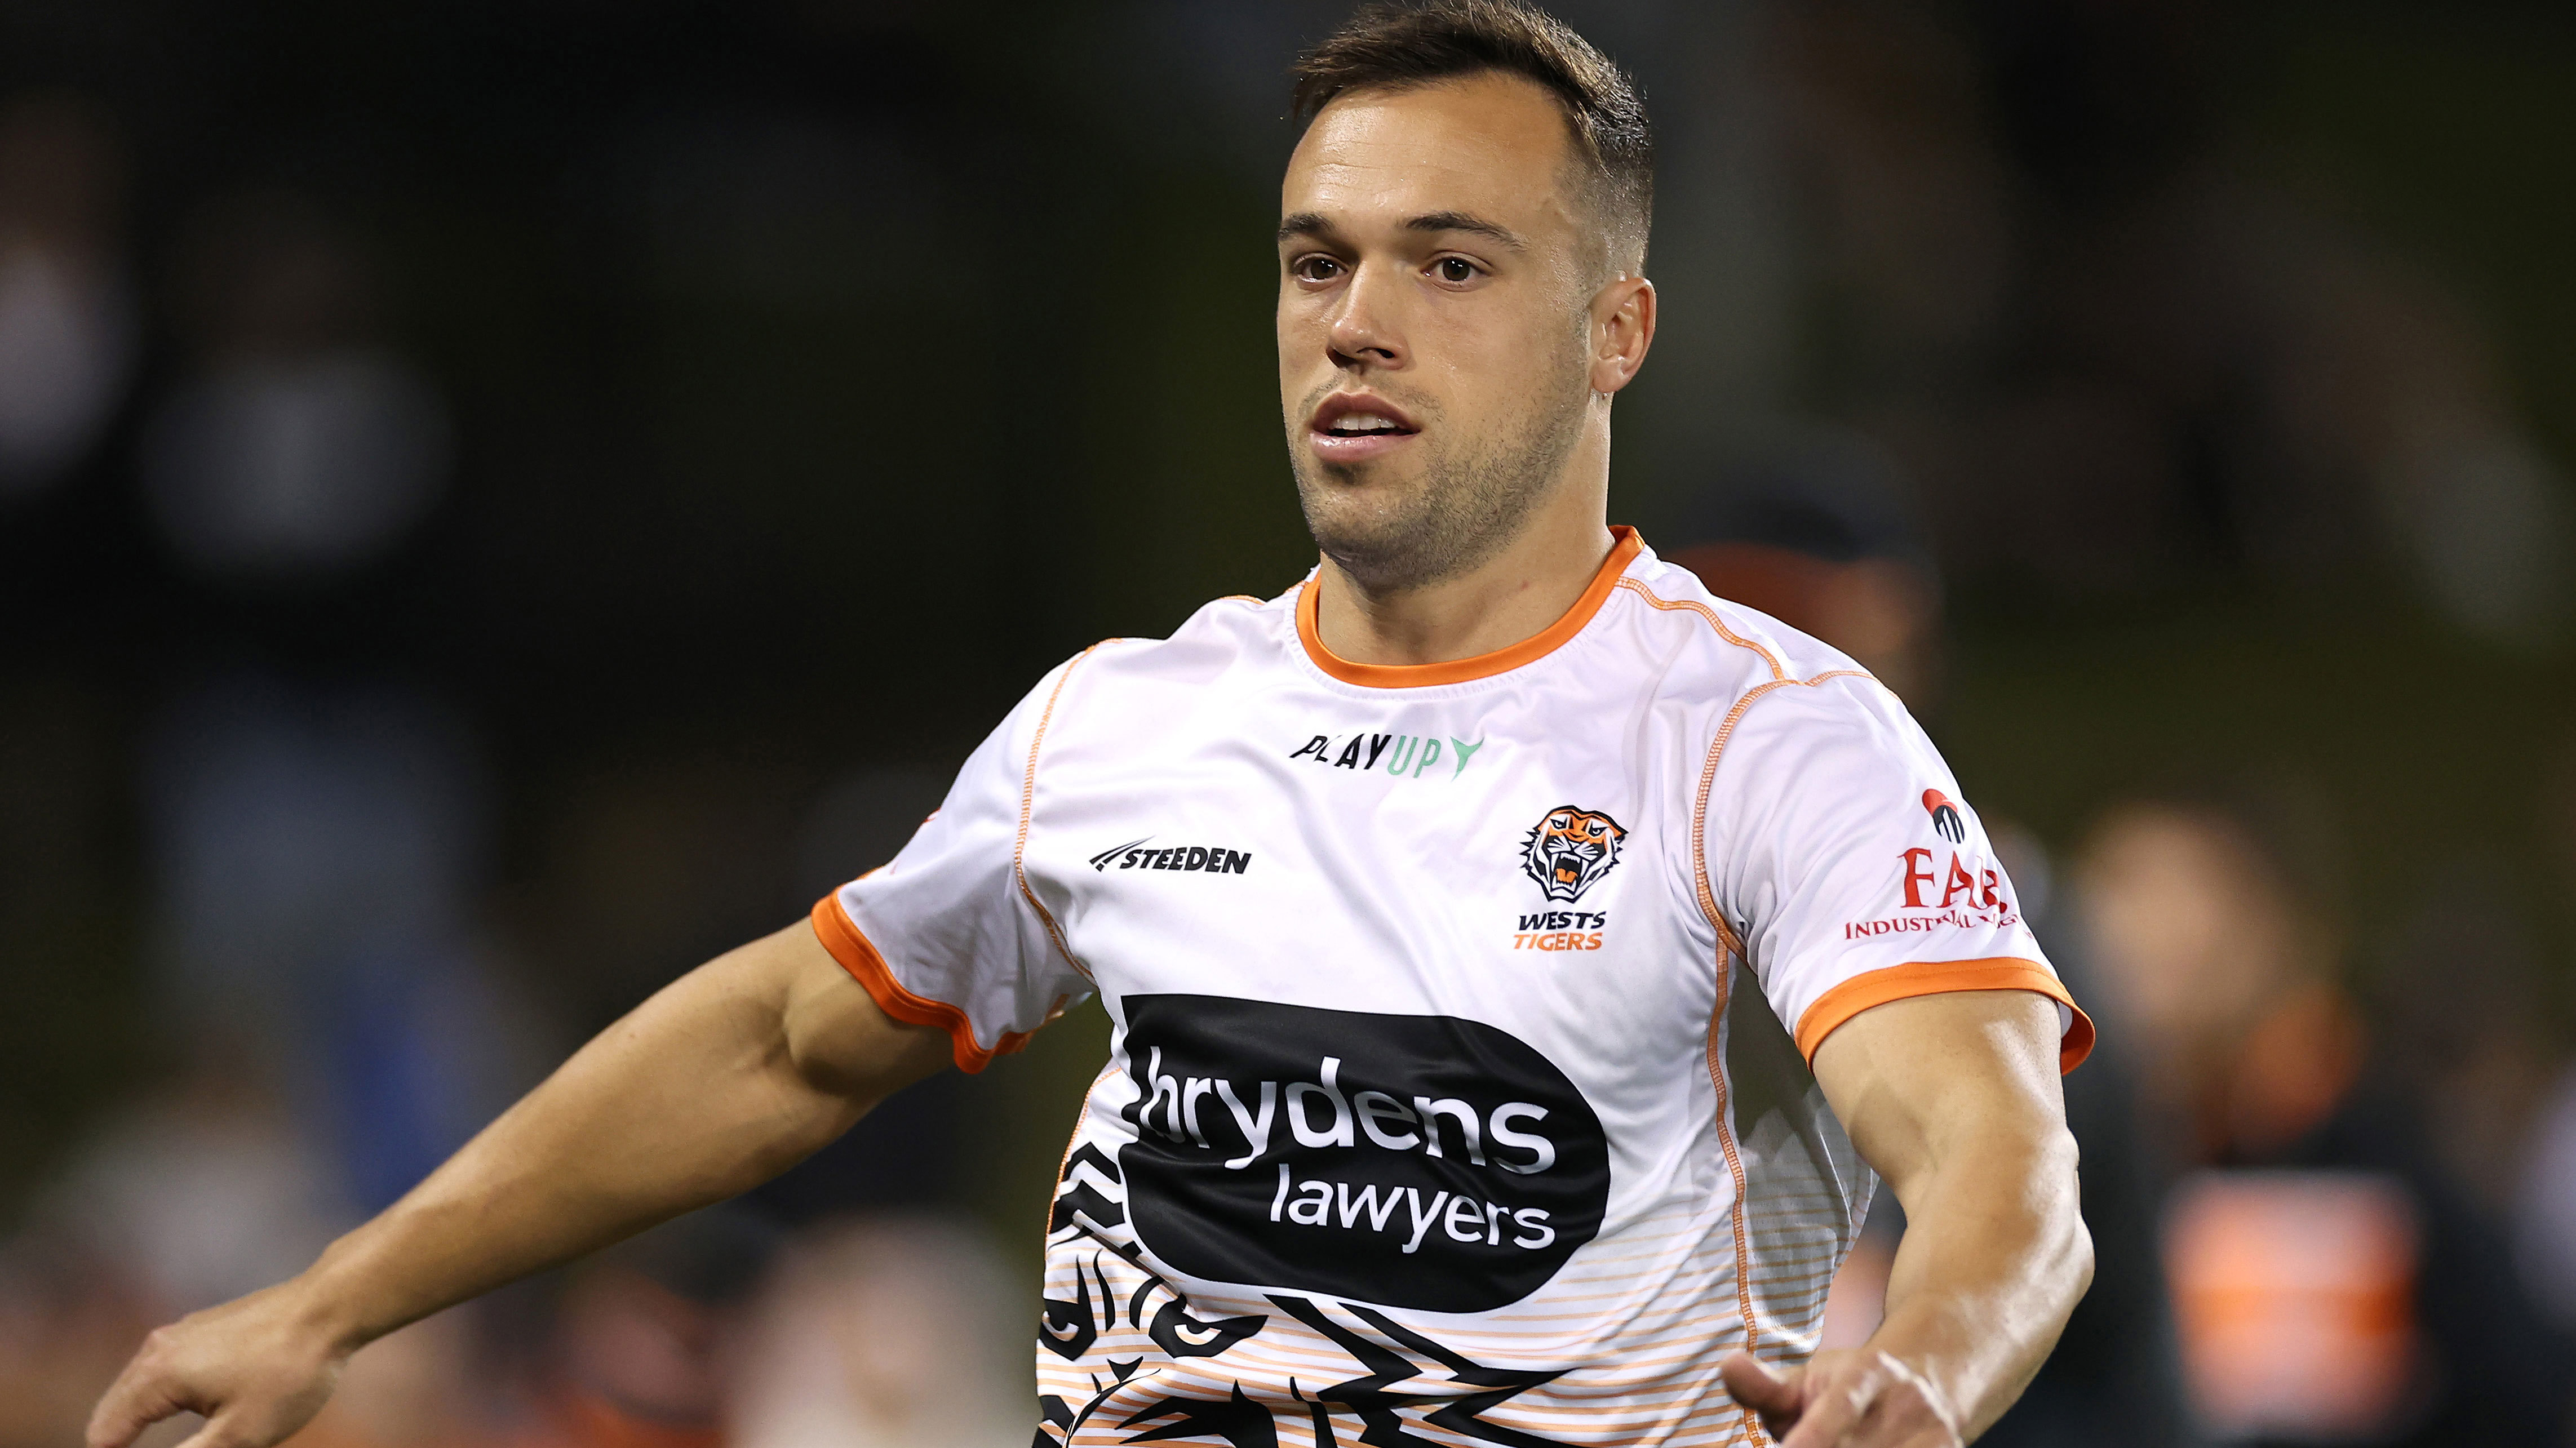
1954, 1099
723, 1079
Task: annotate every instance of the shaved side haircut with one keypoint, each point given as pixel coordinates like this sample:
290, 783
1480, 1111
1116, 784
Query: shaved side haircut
1400, 46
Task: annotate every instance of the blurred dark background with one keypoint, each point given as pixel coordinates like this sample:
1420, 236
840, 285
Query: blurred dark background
500, 503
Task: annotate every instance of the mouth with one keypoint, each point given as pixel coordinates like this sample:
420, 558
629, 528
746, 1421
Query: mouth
1352, 427
1568, 868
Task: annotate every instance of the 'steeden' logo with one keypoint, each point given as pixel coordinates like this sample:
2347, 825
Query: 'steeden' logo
1570, 849
1401, 756
1945, 817
1209, 859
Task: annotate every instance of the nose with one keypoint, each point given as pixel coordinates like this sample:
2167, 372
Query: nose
1363, 332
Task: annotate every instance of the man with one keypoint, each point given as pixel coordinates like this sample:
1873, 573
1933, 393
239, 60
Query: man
1468, 917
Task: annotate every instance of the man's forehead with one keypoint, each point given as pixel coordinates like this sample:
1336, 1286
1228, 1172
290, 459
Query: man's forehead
1488, 145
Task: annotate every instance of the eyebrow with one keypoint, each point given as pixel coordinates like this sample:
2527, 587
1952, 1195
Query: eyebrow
1462, 221
1315, 224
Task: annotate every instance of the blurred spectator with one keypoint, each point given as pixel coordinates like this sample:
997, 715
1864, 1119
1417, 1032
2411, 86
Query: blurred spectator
1819, 532
643, 1335
2335, 1279
2224, 966
194, 1194
2458, 993
68, 1321
300, 447
66, 312
203, 1192
319, 857
2116, 1374
891, 1332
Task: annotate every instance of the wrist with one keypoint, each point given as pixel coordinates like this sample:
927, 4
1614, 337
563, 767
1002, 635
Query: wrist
1939, 1395
326, 1302
1927, 1356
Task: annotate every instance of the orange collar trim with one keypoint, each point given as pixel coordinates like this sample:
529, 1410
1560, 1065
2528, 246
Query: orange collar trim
1458, 671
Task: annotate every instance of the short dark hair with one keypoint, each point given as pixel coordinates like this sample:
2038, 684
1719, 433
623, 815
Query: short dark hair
1400, 46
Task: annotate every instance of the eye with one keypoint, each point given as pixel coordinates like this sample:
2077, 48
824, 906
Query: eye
1314, 268
1455, 270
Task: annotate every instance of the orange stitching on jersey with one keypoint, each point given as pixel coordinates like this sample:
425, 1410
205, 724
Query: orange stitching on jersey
1708, 780
1730, 946
1028, 797
1706, 612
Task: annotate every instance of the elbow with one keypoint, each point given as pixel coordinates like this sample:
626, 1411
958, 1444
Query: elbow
2079, 1265
2078, 1253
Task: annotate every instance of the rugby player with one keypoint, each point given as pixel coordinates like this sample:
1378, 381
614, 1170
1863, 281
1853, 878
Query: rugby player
1521, 963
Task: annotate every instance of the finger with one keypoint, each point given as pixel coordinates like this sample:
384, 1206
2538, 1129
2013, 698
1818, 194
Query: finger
1835, 1405
1752, 1383
131, 1404
1775, 1397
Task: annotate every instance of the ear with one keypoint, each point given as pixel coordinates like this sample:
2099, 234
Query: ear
1623, 327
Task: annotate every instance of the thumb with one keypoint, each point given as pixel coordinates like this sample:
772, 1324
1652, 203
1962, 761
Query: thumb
1774, 1395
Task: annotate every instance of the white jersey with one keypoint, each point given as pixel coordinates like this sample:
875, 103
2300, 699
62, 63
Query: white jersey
1462, 1013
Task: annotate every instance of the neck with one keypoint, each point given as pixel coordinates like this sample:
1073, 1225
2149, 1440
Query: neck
1524, 587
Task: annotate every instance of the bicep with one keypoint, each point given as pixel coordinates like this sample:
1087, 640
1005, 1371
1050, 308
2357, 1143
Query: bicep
833, 1034
1921, 1080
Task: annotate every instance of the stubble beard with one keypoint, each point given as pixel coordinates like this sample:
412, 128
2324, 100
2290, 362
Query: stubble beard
1472, 499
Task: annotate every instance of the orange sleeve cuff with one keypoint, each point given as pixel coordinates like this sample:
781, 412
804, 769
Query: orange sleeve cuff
858, 955
1897, 982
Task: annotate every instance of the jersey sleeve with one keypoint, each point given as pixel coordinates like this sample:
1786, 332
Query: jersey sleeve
1840, 854
944, 935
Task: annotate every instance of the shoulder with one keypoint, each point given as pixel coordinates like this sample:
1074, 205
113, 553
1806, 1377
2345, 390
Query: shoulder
1222, 636
1720, 651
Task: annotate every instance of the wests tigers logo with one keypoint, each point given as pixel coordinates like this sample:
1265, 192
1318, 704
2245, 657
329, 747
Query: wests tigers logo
1570, 849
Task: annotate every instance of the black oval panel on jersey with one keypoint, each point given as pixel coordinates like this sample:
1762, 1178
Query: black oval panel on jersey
1424, 1162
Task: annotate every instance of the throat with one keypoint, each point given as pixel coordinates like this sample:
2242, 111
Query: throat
1479, 611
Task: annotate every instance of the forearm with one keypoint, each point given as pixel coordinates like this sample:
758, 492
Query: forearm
725, 1078
694, 1096
1985, 1277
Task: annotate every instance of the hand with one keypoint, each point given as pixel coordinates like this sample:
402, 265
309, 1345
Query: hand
1844, 1399
256, 1368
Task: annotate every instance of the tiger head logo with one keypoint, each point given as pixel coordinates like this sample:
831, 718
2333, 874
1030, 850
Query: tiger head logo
1569, 849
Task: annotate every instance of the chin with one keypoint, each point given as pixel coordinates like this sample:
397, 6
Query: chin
1375, 543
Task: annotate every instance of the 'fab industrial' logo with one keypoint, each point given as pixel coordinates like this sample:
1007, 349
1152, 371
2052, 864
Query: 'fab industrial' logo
1964, 891
1972, 896
1402, 756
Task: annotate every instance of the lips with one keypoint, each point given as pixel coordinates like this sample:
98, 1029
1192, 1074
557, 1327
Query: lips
1352, 427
